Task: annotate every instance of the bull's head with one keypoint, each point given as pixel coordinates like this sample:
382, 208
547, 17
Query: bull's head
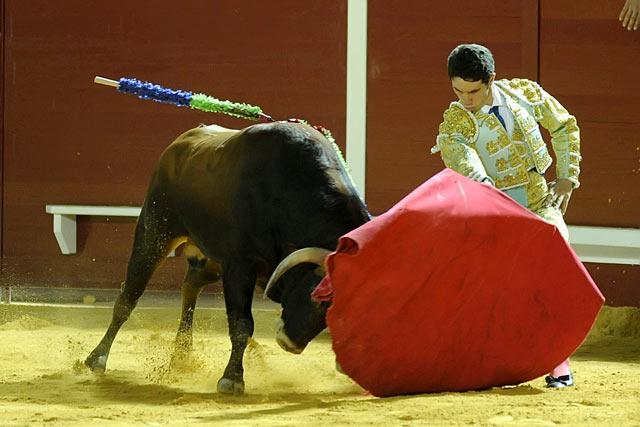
302, 317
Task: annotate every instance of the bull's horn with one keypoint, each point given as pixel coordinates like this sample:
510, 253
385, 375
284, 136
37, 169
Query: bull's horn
313, 255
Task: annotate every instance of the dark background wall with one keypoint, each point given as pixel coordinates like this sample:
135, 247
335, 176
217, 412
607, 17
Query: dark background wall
66, 140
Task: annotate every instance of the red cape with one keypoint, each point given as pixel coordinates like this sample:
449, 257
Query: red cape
457, 287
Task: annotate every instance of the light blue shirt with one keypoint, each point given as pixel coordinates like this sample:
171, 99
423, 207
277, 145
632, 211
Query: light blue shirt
504, 111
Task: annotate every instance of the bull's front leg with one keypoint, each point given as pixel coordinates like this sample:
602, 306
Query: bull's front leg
238, 283
232, 381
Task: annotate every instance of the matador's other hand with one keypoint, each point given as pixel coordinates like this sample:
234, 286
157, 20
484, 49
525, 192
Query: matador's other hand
630, 15
478, 177
559, 194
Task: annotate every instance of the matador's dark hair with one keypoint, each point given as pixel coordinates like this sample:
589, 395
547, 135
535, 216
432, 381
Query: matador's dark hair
471, 62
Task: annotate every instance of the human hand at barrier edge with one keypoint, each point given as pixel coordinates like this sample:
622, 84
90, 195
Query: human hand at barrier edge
630, 15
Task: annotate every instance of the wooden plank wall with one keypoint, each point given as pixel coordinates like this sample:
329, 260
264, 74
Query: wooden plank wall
69, 141
590, 62
408, 88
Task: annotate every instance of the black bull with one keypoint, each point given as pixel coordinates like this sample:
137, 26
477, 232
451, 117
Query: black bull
242, 201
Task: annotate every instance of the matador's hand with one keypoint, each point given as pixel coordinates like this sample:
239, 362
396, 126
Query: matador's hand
630, 15
559, 194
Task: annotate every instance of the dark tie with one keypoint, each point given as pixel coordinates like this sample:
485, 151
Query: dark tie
494, 111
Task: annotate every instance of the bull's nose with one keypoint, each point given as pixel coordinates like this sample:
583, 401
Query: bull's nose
284, 341
286, 347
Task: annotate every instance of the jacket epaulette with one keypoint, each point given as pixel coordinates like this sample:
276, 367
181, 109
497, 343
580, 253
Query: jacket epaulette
458, 120
524, 89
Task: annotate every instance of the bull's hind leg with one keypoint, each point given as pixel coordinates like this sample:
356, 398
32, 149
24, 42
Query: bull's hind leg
202, 271
238, 281
184, 337
153, 241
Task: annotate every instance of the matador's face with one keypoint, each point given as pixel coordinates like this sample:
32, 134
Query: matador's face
473, 95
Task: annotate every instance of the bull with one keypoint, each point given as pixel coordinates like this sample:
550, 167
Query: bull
268, 199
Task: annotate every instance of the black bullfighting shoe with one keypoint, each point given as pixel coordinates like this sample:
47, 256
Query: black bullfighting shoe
559, 382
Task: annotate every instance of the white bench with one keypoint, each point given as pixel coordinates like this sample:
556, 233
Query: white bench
64, 220
606, 245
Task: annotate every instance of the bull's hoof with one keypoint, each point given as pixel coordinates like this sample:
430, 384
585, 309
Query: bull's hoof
97, 363
227, 386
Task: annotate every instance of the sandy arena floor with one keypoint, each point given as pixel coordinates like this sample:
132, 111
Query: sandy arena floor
42, 380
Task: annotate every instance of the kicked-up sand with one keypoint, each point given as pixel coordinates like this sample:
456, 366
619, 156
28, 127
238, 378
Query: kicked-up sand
43, 380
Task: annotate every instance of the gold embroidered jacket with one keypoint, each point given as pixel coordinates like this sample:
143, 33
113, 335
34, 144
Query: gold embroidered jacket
475, 141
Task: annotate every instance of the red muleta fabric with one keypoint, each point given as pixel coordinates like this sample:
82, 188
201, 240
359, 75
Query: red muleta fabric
457, 287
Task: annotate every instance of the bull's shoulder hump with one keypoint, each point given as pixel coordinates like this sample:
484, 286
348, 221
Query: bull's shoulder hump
294, 134
280, 127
